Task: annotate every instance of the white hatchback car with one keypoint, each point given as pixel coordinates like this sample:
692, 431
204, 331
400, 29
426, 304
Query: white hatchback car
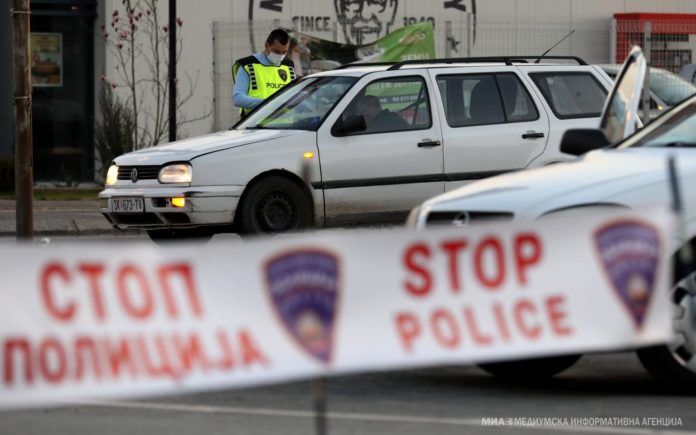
357, 144
633, 174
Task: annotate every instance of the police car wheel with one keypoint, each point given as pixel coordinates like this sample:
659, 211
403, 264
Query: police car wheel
530, 369
274, 205
674, 365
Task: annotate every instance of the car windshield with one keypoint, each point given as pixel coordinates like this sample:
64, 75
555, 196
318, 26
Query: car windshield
303, 106
678, 130
669, 87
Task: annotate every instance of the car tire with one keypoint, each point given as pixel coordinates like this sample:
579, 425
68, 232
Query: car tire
174, 235
530, 369
674, 365
274, 205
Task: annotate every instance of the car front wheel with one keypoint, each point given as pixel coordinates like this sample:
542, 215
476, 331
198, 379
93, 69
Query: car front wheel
274, 205
675, 364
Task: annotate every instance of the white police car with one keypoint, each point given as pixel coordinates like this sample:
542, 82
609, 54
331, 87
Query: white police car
631, 174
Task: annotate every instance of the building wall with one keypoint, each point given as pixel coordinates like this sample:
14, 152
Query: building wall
483, 27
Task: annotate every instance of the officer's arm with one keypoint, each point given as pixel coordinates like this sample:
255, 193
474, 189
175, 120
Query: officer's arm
240, 96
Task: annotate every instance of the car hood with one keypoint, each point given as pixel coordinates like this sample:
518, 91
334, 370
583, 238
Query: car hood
601, 176
188, 149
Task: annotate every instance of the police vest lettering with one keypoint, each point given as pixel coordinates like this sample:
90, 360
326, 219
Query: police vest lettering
275, 85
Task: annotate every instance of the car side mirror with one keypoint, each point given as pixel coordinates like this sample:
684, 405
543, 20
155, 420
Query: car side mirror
350, 125
582, 140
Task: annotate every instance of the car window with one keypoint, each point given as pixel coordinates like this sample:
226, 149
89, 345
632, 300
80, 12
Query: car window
669, 87
518, 104
677, 131
475, 99
394, 104
571, 94
303, 106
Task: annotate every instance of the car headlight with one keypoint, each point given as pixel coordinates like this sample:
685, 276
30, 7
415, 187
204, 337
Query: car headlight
178, 173
112, 175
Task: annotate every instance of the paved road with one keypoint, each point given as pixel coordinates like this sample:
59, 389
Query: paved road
436, 401
57, 217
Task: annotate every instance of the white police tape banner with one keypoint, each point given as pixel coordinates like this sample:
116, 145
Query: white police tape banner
122, 320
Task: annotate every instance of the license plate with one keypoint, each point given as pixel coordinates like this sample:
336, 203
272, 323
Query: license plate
127, 205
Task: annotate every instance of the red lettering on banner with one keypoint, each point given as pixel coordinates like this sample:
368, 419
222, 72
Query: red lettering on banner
251, 353
493, 246
501, 322
83, 347
120, 355
184, 271
22, 345
93, 273
410, 261
53, 369
49, 274
452, 250
130, 273
479, 338
408, 328
162, 365
488, 257
522, 308
447, 337
528, 253
557, 315
190, 352
227, 361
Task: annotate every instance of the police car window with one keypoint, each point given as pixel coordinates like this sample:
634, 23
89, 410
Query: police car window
571, 94
395, 104
302, 107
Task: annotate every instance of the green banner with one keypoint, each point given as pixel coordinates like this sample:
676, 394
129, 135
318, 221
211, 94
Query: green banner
312, 54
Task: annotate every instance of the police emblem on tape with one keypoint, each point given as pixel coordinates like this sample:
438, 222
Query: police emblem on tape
304, 291
630, 252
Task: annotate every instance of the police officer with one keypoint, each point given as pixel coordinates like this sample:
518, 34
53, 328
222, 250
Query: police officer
259, 76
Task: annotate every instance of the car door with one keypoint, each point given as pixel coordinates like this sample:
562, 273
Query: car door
390, 163
573, 97
491, 123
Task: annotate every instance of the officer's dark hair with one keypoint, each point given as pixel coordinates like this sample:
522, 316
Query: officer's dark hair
279, 35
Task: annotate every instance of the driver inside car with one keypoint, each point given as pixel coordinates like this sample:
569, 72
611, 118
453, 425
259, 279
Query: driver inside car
378, 119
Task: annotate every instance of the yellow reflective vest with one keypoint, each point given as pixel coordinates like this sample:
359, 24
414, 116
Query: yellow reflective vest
264, 80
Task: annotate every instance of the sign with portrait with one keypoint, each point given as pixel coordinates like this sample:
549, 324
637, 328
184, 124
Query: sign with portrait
46, 59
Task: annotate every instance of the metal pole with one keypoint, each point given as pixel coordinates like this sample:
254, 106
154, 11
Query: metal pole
320, 406
172, 70
23, 151
685, 256
646, 87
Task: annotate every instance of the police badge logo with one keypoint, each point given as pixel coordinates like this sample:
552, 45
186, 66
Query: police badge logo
304, 291
283, 74
629, 252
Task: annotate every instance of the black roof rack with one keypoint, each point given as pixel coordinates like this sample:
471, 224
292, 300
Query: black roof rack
508, 60
359, 65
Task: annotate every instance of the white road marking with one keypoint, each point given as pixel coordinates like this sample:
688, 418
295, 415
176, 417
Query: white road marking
384, 418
